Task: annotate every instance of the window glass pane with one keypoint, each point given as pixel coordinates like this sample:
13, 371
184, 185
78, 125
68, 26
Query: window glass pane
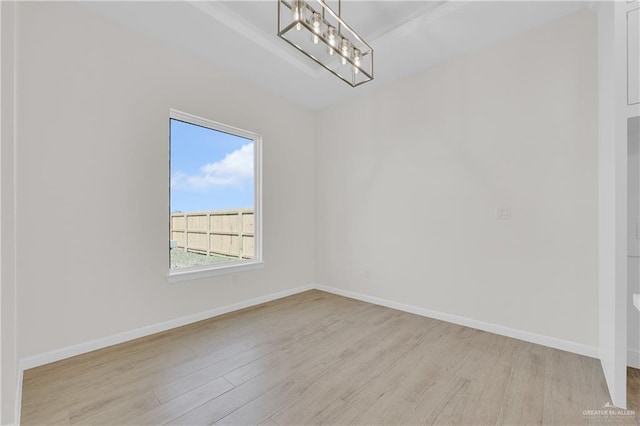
212, 196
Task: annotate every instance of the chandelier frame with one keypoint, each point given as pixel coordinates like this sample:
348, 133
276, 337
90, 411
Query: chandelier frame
360, 69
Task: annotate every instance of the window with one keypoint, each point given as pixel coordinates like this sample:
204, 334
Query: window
214, 198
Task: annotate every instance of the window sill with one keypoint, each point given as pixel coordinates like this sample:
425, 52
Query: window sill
178, 276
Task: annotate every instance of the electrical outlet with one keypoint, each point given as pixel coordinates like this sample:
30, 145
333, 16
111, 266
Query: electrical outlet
234, 279
503, 213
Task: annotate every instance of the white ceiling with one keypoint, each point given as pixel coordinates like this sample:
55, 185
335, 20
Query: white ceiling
407, 36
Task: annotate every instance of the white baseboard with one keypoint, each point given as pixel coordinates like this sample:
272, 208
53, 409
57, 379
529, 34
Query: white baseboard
81, 348
67, 352
70, 351
552, 342
633, 358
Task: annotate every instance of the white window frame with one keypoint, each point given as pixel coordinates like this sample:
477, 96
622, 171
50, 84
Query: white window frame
233, 266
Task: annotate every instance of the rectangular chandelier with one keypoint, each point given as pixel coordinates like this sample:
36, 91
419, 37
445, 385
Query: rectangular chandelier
321, 34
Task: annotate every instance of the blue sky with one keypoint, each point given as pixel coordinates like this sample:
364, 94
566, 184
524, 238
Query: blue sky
210, 170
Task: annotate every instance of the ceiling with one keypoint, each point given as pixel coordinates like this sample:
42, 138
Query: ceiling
407, 36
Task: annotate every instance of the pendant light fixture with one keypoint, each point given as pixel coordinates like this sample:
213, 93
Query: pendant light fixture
317, 31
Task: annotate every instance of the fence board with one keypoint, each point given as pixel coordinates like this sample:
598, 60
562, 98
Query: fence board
222, 232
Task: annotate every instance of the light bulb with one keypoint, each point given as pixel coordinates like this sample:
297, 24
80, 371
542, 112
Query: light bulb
330, 35
316, 20
356, 60
297, 6
344, 50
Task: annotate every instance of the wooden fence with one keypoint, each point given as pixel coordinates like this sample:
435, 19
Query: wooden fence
221, 232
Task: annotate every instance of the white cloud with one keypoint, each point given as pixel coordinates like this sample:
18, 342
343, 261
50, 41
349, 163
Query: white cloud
235, 168
238, 163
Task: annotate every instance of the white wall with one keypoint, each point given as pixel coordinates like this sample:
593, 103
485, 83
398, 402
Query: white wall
408, 177
92, 179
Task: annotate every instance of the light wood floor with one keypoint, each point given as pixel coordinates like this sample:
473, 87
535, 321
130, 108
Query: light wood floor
317, 358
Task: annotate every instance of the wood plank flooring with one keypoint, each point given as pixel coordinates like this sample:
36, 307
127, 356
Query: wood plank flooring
317, 358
